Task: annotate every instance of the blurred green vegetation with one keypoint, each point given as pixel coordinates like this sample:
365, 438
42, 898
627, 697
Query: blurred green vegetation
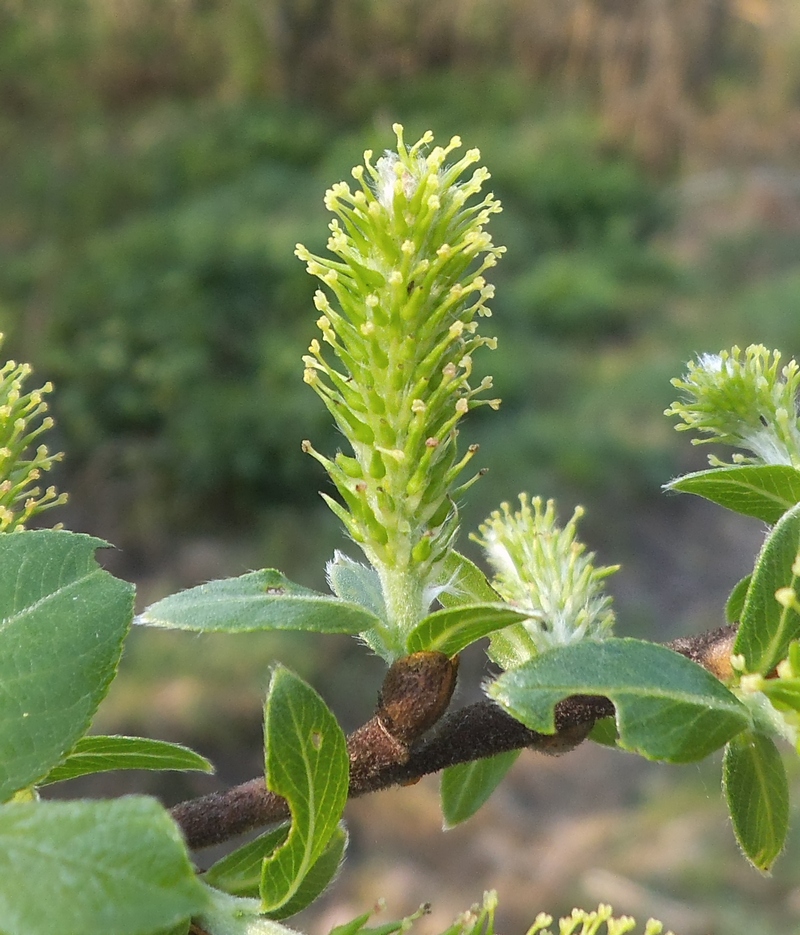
174, 330
160, 161
147, 231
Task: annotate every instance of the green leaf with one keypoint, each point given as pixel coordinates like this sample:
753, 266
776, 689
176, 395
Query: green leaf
239, 873
767, 627
667, 708
757, 792
62, 624
451, 630
99, 754
182, 928
604, 732
783, 692
764, 491
306, 763
93, 868
357, 583
735, 603
465, 583
467, 786
237, 915
319, 877
360, 584
259, 600
511, 647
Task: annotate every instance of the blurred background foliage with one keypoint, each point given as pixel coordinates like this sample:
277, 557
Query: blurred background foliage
160, 159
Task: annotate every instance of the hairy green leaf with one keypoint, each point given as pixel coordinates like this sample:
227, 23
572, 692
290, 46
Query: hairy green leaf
355, 582
62, 624
237, 915
182, 928
99, 754
511, 647
464, 583
604, 732
735, 603
259, 600
767, 627
360, 584
764, 491
319, 877
93, 868
239, 873
467, 786
306, 763
784, 693
757, 792
453, 629
667, 708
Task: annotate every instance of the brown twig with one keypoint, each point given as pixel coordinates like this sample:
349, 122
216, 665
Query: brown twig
390, 748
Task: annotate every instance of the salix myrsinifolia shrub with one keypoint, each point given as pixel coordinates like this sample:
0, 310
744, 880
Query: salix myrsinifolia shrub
402, 313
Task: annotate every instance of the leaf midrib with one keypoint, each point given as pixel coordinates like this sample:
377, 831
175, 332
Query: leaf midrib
696, 699
46, 598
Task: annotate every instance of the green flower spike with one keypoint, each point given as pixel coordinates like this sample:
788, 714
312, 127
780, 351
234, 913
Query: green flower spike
22, 421
746, 402
544, 569
405, 290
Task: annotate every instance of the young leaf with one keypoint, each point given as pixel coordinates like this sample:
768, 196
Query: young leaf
360, 584
62, 623
767, 627
239, 873
765, 491
99, 754
451, 630
356, 582
182, 928
467, 786
92, 868
464, 583
784, 693
667, 708
604, 732
306, 763
236, 915
757, 793
319, 877
259, 600
735, 603
511, 647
